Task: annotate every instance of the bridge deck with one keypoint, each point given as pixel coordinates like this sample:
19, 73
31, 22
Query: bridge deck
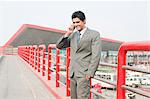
18, 82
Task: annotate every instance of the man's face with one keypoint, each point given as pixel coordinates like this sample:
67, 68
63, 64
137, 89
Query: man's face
79, 25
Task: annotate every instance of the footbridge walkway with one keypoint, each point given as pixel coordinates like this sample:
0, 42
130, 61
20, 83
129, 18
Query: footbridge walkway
41, 72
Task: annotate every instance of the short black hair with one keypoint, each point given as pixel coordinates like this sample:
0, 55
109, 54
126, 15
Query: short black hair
79, 14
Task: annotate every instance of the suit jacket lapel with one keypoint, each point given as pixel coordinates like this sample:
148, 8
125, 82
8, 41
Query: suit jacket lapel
75, 41
82, 39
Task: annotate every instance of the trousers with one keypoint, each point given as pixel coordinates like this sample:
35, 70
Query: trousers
80, 87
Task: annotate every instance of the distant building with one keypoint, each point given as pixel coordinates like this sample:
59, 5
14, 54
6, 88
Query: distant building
35, 35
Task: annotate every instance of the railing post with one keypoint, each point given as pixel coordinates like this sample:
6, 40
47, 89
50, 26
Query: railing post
57, 67
24, 52
49, 62
28, 54
44, 59
121, 73
32, 56
67, 71
43, 50
38, 52
90, 88
33, 61
36, 58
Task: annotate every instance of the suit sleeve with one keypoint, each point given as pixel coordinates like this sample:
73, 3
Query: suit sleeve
96, 49
63, 42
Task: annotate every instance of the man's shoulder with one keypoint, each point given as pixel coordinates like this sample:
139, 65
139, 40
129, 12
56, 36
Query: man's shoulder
72, 34
93, 32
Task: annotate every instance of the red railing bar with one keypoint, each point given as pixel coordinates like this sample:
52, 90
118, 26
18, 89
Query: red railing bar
57, 67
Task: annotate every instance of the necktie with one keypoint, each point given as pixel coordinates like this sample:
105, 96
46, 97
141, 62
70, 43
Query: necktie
78, 38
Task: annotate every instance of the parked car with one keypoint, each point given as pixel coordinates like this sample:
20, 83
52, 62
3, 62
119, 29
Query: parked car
144, 80
132, 81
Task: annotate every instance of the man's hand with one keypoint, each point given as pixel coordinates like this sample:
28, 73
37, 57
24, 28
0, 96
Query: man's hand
87, 77
69, 30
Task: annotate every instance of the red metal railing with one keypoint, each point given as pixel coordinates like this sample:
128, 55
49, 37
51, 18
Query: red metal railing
36, 57
135, 46
43, 50
58, 64
67, 72
40, 60
50, 63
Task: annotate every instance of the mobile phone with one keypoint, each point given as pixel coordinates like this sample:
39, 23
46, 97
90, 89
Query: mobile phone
73, 26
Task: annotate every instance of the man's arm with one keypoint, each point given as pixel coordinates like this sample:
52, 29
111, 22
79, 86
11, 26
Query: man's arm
96, 48
64, 41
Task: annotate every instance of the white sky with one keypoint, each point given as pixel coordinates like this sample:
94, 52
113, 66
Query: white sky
125, 20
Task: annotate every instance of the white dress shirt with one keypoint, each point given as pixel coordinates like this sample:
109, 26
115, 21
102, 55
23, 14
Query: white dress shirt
82, 32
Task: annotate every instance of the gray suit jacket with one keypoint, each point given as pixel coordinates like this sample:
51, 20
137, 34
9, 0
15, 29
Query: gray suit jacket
86, 56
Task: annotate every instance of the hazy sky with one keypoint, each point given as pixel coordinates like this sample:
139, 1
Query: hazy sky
119, 20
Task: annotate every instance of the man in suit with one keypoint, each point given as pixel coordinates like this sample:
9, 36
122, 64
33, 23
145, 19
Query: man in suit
85, 55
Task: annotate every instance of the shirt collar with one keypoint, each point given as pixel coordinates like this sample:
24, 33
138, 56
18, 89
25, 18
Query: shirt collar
83, 31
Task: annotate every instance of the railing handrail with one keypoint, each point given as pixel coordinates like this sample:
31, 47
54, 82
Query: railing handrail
136, 90
106, 81
108, 65
135, 69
